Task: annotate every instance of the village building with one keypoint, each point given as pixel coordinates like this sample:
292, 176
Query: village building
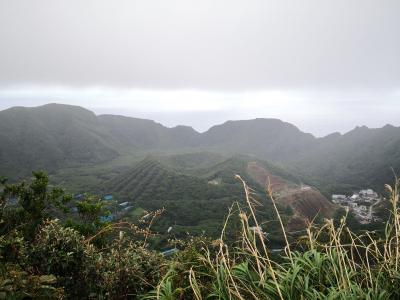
108, 197
337, 199
361, 204
354, 197
367, 192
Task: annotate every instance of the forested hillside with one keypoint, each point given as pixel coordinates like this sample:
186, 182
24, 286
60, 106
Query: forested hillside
56, 137
50, 137
50, 251
196, 199
269, 139
362, 158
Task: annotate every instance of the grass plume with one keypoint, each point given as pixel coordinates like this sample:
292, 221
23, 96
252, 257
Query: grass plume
329, 262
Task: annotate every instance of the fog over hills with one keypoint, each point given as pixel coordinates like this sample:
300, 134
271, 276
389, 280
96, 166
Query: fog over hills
200, 149
56, 136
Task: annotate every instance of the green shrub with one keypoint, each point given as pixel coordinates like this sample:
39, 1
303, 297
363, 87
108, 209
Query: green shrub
16, 284
129, 269
64, 253
331, 262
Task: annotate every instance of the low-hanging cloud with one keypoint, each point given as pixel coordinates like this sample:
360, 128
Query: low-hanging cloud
322, 65
202, 109
185, 44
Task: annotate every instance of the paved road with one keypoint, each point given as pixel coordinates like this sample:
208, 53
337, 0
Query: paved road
370, 208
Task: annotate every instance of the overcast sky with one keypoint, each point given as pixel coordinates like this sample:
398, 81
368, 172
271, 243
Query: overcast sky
323, 65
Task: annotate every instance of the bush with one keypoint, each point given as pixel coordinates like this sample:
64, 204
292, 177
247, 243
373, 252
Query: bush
64, 253
129, 269
329, 262
17, 284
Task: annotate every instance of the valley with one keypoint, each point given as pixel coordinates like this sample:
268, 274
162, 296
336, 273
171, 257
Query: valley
199, 150
147, 166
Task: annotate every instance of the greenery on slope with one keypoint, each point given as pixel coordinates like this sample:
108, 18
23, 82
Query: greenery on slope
58, 138
361, 158
44, 258
196, 199
194, 188
192, 203
268, 139
50, 137
329, 262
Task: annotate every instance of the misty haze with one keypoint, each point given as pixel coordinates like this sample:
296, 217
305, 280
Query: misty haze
199, 149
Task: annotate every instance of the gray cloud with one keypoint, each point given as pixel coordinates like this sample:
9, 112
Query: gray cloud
338, 111
223, 44
322, 65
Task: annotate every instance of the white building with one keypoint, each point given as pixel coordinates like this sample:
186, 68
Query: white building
354, 197
367, 192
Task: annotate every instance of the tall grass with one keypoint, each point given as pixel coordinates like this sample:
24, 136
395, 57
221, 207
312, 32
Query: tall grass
329, 262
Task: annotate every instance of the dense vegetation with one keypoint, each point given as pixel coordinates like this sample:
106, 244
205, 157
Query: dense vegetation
361, 158
78, 258
196, 199
173, 188
60, 137
48, 253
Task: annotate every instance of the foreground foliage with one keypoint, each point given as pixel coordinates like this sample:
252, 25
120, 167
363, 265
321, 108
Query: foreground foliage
48, 258
329, 262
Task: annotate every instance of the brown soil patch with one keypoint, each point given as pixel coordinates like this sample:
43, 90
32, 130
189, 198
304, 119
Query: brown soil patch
309, 204
261, 175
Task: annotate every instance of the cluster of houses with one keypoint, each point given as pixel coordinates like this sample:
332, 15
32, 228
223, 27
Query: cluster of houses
361, 204
117, 209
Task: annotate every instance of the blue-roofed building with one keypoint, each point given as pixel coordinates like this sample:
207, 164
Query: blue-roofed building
108, 197
105, 219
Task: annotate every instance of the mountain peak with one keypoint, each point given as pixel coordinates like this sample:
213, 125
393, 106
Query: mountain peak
363, 127
389, 126
184, 128
53, 108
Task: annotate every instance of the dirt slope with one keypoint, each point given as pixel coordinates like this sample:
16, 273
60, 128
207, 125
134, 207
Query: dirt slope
306, 202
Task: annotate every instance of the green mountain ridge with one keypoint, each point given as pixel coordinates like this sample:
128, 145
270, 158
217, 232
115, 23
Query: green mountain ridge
191, 203
55, 136
50, 137
196, 200
363, 158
